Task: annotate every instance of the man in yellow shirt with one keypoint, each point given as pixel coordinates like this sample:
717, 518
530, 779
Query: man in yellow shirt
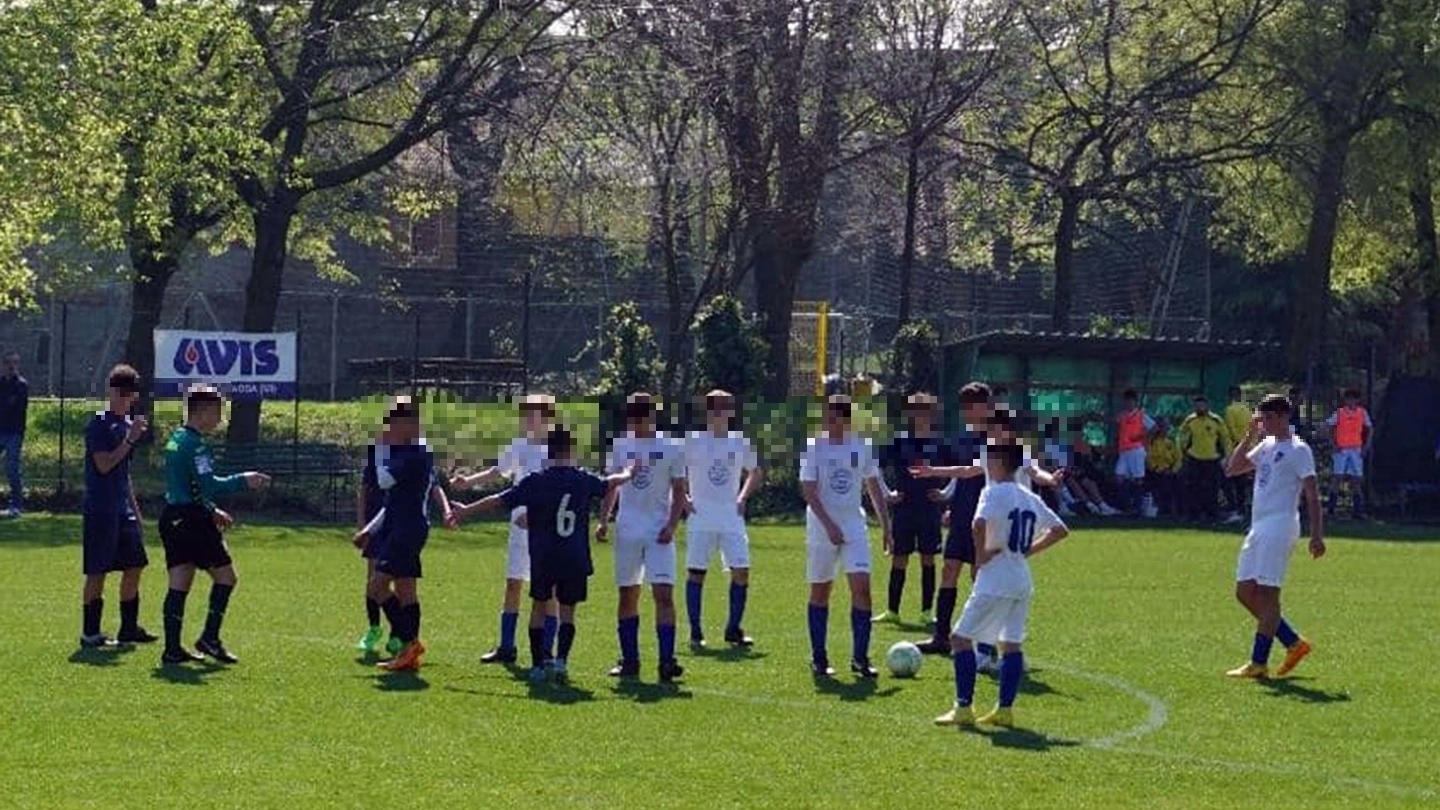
1162, 468
1204, 443
1238, 416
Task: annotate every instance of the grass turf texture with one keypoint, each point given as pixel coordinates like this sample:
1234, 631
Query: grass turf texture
1119, 611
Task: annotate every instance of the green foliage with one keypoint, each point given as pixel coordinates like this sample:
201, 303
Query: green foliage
915, 358
730, 352
1105, 326
630, 356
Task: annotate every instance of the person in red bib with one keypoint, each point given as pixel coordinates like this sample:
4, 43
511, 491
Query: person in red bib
1133, 428
1350, 431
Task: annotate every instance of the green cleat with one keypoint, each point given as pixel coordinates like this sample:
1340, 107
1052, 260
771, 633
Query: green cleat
394, 646
370, 642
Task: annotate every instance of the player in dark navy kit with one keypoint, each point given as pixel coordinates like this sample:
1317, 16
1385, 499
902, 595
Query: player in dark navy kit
405, 471
916, 504
557, 502
111, 514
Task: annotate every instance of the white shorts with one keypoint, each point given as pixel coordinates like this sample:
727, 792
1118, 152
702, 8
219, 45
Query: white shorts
1130, 463
823, 558
641, 559
1349, 462
517, 555
700, 546
1265, 557
993, 619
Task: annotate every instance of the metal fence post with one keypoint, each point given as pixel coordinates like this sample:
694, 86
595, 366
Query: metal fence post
64, 330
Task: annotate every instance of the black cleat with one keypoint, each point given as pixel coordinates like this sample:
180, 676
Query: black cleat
216, 650
180, 655
670, 671
697, 644
737, 638
137, 635
500, 655
822, 669
934, 646
97, 641
861, 667
625, 669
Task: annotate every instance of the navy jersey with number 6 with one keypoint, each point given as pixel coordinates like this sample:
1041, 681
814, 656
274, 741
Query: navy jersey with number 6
557, 504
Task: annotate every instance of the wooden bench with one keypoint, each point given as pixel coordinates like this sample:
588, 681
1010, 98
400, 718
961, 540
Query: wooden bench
333, 463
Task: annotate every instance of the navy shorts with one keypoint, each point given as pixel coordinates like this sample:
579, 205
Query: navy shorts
916, 530
111, 543
191, 537
567, 588
960, 545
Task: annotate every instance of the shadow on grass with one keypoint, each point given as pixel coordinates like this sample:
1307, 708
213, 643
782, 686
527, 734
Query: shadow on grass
860, 689
186, 675
1295, 689
729, 653
560, 694
1022, 739
401, 682
650, 692
100, 656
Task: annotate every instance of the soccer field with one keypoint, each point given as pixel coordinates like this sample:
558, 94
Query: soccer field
1124, 705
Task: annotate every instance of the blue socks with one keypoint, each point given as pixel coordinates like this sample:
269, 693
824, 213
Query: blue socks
666, 635
693, 592
819, 616
552, 624
1012, 666
860, 632
629, 631
1286, 634
964, 677
738, 595
1260, 653
508, 621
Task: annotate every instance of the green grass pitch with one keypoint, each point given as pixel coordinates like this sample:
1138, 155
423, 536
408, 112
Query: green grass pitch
1124, 707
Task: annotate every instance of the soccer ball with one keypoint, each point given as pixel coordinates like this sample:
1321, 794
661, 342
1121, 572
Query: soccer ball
904, 660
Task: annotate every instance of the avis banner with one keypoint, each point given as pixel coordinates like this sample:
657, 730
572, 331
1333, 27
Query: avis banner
244, 365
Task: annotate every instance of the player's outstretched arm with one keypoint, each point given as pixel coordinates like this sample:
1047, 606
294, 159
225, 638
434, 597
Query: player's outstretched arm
448, 518
1043, 477
962, 471
490, 503
1052, 535
486, 477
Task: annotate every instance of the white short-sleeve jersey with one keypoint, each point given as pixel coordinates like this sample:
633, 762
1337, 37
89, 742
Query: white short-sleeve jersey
645, 499
1022, 474
1014, 516
520, 458
1281, 467
715, 466
840, 469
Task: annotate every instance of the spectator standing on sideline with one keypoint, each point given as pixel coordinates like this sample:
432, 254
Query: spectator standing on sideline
1238, 416
1204, 442
1162, 465
14, 405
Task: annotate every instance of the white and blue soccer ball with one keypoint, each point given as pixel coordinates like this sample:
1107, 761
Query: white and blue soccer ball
904, 659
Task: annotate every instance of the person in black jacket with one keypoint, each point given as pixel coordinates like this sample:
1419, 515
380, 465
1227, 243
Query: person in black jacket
14, 403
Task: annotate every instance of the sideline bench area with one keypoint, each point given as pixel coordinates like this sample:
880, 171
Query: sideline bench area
490, 378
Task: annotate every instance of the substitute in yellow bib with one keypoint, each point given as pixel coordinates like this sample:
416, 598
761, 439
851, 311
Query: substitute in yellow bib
1204, 442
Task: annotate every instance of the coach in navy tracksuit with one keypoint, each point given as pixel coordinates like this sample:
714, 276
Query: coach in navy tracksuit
14, 405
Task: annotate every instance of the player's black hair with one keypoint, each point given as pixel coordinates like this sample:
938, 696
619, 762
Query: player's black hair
1130, 394
124, 378
719, 398
404, 408
1275, 404
1352, 393
559, 443
975, 393
201, 397
1010, 455
838, 404
639, 405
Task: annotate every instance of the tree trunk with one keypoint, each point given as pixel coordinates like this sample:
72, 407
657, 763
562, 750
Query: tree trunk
1310, 285
262, 293
907, 247
775, 277
1065, 232
671, 234
153, 267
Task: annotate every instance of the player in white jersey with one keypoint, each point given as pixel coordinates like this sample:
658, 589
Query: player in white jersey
716, 461
1011, 525
835, 466
1284, 468
523, 456
651, 507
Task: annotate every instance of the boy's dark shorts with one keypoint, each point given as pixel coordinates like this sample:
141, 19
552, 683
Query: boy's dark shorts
191, 537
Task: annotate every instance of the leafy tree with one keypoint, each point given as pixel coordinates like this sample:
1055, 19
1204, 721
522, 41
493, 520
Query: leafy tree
630, 357
915, 358
730, 352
